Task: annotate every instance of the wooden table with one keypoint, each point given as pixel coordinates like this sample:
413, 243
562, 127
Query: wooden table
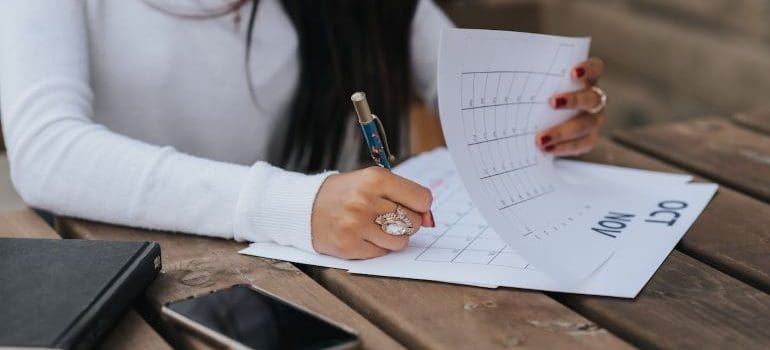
711, 292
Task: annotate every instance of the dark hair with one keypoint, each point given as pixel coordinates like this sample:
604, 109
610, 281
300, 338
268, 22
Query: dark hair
345, 46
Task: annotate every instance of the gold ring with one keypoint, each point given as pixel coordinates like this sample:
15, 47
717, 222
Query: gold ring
396, 223
602, 100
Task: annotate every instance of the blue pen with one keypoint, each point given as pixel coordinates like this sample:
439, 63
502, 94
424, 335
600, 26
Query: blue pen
374, 134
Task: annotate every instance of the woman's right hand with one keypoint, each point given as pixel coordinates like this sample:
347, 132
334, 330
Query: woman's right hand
347, 204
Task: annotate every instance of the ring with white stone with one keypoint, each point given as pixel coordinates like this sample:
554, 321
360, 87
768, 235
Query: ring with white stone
396, 223
602, 100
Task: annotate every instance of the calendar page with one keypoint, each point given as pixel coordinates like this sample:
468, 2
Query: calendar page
494, 88
509, 215
463, 248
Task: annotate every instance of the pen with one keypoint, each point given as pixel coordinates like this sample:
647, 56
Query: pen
374, 133
377, 141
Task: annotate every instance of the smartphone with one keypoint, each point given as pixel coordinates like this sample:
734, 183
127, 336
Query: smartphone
244, 317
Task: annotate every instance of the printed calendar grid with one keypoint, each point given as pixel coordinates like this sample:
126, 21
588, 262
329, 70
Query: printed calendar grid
461, 236
497, 118
463, 248
497, 106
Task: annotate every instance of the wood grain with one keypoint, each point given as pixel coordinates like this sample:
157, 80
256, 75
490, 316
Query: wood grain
133, 332
713, 147
130, 332
432, 315
676, 55
743, 251
758, 121
686, 305
194, 265
731, 234
24, 223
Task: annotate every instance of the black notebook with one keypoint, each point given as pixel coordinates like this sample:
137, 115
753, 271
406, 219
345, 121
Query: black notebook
65, 293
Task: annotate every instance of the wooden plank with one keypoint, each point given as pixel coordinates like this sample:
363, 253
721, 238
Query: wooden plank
9, 199
130, 332
713, 147
758, 121
743, 17
686, 305
731, 234
396, 315
683, 300
24, 223
194, 265
637, 102
432, 315
133, 332
672, 53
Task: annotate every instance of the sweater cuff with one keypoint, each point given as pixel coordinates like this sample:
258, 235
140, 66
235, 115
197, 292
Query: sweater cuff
276, 205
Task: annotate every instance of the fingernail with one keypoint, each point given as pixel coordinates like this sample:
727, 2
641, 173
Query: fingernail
560, 102
549, 148
545, 139
579, 72
428, 219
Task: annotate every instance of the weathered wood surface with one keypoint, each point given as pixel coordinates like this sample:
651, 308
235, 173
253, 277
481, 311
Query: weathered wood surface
672, 50
732, 233
712, 147
684, 295
193, 265
131, 331
686, 305
9, 199
24, 223
431, 315
758, 121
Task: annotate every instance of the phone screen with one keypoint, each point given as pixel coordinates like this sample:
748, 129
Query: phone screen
261, 321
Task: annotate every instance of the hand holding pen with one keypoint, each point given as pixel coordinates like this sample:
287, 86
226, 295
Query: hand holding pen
369, 212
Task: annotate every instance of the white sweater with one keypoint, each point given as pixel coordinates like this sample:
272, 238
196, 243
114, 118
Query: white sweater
117, 112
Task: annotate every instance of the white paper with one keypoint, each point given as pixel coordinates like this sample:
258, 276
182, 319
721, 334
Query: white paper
464, 249
508, 215
494, 88
457, 249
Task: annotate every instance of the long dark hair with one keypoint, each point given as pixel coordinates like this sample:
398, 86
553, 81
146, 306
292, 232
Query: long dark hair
344, 46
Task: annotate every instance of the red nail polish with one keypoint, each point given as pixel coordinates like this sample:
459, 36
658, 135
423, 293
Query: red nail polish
545, 139
549, 148
580, 71
560, 102
431, 222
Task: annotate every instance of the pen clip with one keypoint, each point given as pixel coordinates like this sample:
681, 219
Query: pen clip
381, 130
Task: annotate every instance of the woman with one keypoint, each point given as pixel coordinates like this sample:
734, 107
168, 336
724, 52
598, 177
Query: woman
143, 113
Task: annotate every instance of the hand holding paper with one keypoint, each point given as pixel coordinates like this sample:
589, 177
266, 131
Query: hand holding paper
507, 214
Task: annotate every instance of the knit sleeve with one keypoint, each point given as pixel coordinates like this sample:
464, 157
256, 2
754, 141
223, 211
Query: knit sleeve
64, 162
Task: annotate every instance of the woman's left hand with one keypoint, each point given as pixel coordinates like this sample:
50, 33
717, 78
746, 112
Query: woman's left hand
579, 134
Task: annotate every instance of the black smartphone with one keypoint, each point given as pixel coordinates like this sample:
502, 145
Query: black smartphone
243, 317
